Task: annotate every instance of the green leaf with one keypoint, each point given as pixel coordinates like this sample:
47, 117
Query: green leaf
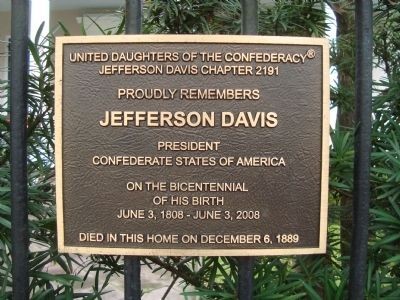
387, 240
39, 33
64, 279
83, 30
311, 292
64, 29
394, 259
97, 25
6, 223
5, 189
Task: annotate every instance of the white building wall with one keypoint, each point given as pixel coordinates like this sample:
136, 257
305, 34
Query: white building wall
5, 29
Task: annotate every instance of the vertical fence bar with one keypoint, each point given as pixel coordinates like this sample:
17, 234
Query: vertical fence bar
359, 246
132, 288
245, 277
9, 71
133, 17
245, 264
249, 17
20, 16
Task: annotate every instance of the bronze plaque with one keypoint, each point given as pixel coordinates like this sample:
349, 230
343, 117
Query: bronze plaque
192, 145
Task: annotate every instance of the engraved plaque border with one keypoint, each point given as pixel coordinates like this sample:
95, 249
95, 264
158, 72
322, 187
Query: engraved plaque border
181, 39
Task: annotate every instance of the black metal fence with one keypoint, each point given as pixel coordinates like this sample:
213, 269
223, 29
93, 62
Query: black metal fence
20, 16
19, 72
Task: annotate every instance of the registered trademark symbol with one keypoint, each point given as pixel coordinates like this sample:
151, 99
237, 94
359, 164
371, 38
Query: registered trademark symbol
310, 53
